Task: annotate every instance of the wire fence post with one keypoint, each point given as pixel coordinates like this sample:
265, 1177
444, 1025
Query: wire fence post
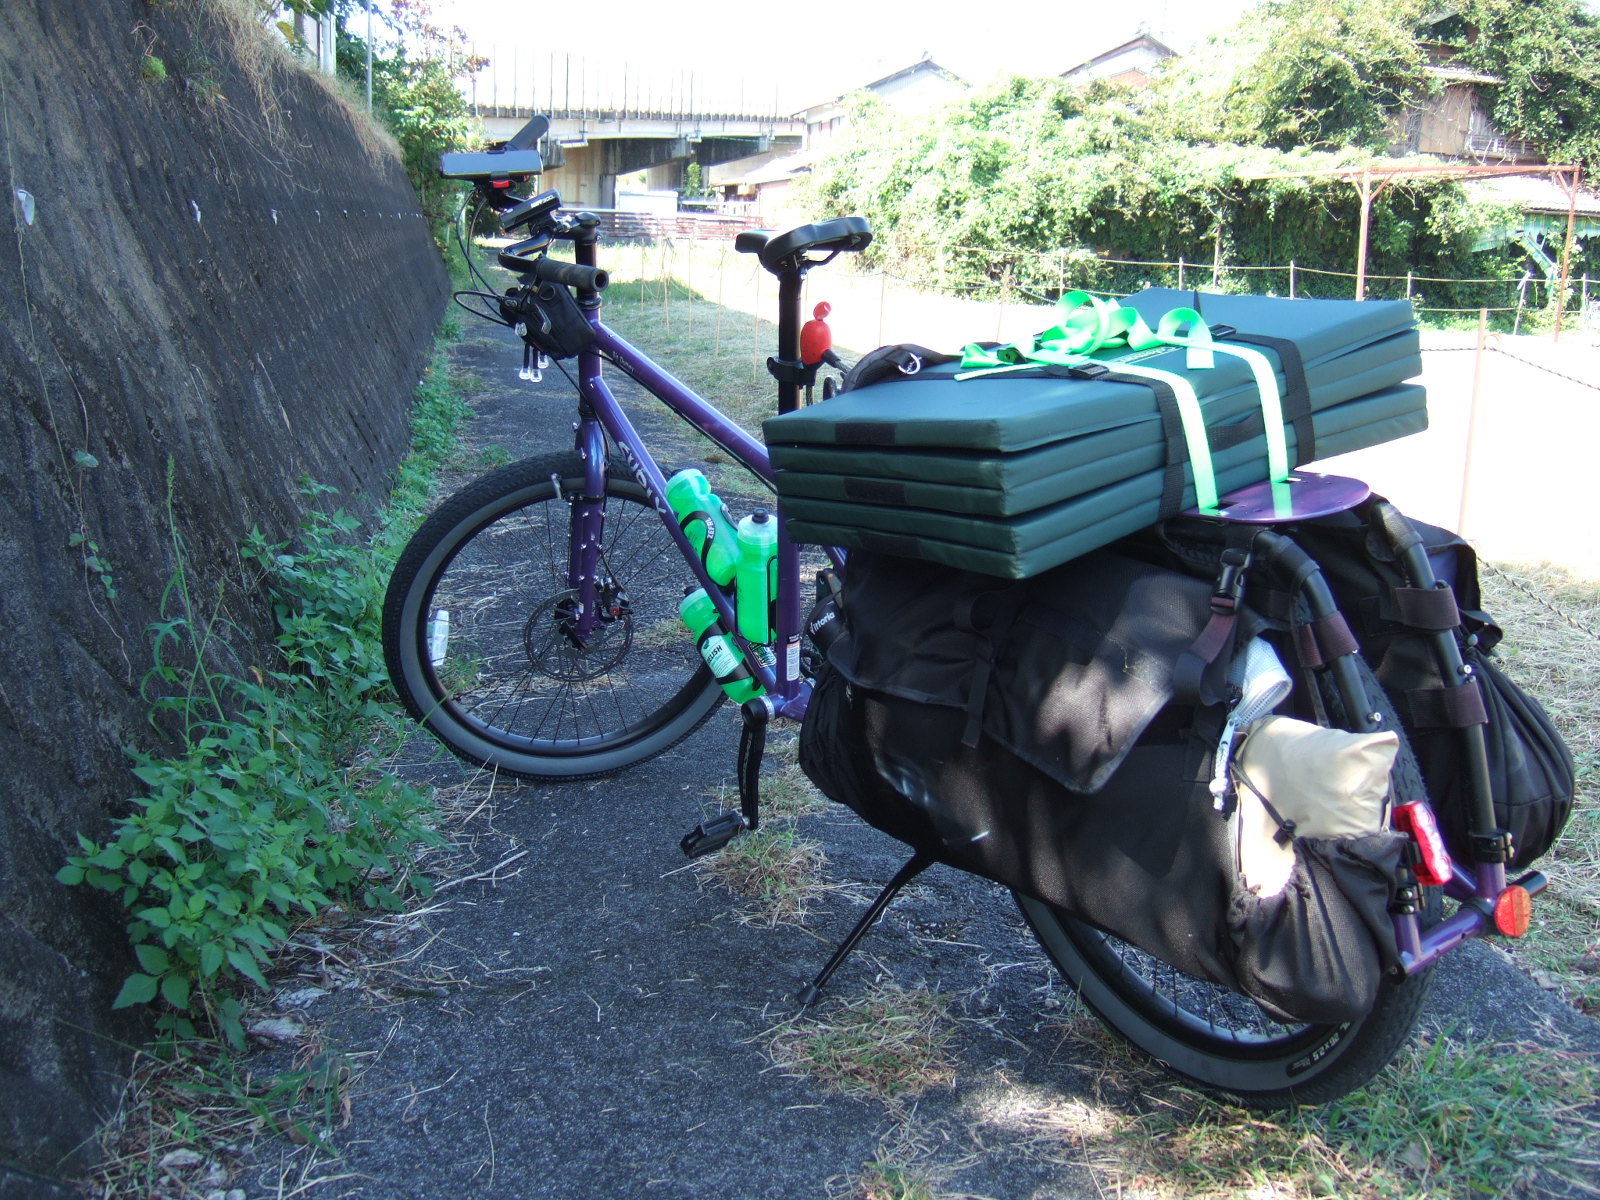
1216, 259
1180, 272
1005, 296
1472, 421
688, 279
722, 275
1408, 284
666, 279
883, 300
1291, 279
755, 329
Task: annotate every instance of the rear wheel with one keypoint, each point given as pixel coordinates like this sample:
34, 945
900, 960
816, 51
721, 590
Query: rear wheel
480, 639
1218, 1038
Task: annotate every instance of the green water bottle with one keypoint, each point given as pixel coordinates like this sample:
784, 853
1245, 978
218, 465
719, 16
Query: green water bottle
705, 522
756, 579
717, 647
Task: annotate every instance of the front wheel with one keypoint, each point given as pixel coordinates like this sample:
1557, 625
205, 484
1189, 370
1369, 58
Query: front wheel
480, 638
1218, 1038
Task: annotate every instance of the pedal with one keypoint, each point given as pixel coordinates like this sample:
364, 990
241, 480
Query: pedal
714, 834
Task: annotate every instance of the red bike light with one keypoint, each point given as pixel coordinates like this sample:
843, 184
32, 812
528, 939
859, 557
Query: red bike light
1416, 819
1513, 911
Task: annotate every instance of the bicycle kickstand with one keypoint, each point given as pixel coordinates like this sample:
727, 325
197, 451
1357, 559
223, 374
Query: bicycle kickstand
918, 863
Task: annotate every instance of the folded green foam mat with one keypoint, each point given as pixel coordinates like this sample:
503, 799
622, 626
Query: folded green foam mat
1015, 470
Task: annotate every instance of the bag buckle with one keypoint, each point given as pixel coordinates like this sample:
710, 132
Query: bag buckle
1230, 580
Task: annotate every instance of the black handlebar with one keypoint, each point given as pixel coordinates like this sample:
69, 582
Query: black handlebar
553, 270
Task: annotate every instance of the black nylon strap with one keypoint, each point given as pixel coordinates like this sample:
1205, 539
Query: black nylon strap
988, 616
1427, 608
1177, 449
1447, 707
1296, 395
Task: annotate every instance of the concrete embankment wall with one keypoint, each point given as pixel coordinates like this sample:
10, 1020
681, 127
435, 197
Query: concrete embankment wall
213, 275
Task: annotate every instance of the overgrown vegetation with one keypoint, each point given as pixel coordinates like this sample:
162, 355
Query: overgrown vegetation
272, 807
1037, 183
415, 64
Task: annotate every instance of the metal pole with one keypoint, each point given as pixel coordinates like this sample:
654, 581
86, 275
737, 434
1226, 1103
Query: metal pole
1291, 279
1571, 185
1180, 272
1472, 420
1365, 187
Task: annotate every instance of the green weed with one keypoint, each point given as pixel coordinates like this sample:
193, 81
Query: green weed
437, 415
272, 808
886, 1181
266, 815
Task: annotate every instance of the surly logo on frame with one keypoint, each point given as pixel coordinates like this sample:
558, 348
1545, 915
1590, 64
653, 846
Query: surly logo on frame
660, 502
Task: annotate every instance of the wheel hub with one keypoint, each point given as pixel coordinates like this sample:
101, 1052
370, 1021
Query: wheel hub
554, 646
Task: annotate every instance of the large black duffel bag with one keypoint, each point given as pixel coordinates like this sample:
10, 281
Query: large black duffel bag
1027, 732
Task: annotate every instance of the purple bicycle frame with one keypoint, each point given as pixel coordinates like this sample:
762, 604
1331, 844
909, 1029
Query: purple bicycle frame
600, 415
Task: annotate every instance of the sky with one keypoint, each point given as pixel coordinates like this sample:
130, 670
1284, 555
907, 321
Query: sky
791, 59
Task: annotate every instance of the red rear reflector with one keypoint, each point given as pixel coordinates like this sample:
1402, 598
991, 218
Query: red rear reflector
1513, 911
1416, 819
500, 183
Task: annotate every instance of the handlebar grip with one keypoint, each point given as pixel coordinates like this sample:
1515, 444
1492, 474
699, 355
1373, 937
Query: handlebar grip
550, 270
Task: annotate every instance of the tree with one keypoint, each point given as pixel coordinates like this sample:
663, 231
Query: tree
1327, 74
415, 65
1547, 55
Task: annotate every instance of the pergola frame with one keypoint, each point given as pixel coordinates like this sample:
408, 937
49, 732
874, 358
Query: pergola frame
1567, 175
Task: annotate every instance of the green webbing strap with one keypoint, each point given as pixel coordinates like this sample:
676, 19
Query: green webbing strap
1271, 403
1194, 428
1088, 326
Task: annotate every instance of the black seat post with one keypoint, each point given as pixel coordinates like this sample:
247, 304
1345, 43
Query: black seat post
791, 285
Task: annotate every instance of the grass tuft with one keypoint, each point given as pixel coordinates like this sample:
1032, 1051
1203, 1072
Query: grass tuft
891, 1044
773, 866
1448, 1119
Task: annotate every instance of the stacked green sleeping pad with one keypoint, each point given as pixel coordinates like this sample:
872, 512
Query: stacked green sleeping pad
1015, 472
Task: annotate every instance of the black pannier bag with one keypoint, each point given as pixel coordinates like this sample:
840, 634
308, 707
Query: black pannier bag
1530, 768
1027, 732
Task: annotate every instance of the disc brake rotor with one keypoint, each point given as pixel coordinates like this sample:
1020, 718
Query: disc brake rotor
554, 647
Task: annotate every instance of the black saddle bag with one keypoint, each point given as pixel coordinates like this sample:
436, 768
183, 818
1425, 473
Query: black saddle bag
1028, 734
